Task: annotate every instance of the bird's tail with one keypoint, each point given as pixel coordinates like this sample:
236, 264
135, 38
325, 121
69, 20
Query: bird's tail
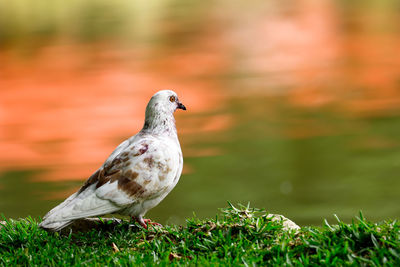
54, 226
77, 206
52, 222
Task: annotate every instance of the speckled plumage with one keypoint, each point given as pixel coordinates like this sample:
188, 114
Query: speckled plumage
137, 175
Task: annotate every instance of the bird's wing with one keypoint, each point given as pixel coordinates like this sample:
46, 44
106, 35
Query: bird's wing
142, 170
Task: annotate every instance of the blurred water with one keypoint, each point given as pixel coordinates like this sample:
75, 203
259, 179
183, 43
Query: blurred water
292, 106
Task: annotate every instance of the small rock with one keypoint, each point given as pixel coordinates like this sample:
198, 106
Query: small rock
288, 225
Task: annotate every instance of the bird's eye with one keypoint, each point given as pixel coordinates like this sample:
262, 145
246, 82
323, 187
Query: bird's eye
172, 98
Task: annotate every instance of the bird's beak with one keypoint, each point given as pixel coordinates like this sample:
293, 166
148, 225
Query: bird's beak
181, 106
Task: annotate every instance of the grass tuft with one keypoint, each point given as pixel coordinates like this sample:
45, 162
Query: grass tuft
241, 236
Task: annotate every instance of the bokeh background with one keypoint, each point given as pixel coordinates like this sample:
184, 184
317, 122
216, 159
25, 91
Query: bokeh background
293, 106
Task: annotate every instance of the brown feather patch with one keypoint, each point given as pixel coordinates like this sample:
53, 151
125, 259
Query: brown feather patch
126, 182
149, 161
142, 150
130, 187
92, 180
109, 177
114, 171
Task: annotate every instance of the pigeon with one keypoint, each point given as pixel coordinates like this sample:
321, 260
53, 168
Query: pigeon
137, 175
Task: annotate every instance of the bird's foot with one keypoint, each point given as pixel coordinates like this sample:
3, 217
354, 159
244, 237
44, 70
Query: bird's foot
145, 222
148, 221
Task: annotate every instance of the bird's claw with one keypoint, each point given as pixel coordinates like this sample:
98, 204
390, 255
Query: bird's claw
145, 222
148, 221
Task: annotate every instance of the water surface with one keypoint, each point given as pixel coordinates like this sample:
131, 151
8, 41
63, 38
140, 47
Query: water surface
294, 108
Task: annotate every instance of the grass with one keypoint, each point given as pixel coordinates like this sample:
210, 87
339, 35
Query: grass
240, 236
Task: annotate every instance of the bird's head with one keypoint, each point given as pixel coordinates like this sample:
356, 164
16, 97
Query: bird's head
160, 109
165, 101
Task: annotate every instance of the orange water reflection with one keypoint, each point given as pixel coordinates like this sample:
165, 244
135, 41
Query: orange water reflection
66, 116
67, 106
319, 53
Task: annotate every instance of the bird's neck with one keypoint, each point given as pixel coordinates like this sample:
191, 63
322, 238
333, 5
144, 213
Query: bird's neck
159, 124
